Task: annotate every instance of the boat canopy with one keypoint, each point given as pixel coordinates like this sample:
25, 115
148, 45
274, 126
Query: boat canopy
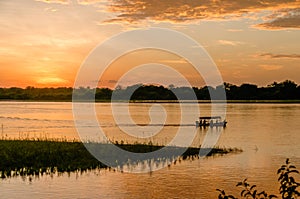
210, 118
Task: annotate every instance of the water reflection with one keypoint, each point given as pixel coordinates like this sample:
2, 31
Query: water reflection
272, 128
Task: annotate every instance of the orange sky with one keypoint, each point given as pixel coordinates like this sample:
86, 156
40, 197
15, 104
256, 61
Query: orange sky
43, 43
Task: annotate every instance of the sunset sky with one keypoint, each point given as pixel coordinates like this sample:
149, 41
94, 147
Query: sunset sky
44, 42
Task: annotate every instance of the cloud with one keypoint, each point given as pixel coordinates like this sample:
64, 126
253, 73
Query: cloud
55, 1
51, 80
286, 18
229, 43
174, 61
278, 56
187, 11
112, 81
270, 67
133, 11
235, 30
87, 2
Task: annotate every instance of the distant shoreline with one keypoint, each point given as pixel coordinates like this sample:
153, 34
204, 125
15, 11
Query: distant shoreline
283, 92
173, 101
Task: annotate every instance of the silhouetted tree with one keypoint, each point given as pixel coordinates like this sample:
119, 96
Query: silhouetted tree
286, 90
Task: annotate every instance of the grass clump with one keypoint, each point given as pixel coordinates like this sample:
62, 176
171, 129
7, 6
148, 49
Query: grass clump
27, 157
39, 157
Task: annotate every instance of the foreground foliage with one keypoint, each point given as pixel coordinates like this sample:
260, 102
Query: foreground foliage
288, 186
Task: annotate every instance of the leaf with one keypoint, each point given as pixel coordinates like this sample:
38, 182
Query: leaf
247, 194
280, 177
239, 184
292, 180
283, 166
272, 196
292, 167
254, 193
242, 192
262, 193
253, 186
293, 171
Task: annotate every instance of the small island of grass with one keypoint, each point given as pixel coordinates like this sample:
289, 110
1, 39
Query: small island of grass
39, 157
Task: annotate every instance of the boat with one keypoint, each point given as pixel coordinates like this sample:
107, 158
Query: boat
213, 121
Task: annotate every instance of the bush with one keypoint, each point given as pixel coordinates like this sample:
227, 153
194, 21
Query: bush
288, 186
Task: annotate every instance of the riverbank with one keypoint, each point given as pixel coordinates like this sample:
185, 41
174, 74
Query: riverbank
168, 101
33, 158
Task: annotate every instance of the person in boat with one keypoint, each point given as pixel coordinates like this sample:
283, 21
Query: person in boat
211, 123
200, 123
204, 122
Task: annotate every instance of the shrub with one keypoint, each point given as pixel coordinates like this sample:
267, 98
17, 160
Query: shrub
288, 186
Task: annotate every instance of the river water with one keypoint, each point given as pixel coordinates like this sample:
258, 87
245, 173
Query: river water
268, 134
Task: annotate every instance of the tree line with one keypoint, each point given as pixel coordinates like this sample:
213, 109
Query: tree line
286, 90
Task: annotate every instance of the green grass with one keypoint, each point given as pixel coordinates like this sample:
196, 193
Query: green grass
32, 157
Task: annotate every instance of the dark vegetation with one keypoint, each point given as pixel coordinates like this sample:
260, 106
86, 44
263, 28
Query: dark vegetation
289, 188
286, 90
39, 157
